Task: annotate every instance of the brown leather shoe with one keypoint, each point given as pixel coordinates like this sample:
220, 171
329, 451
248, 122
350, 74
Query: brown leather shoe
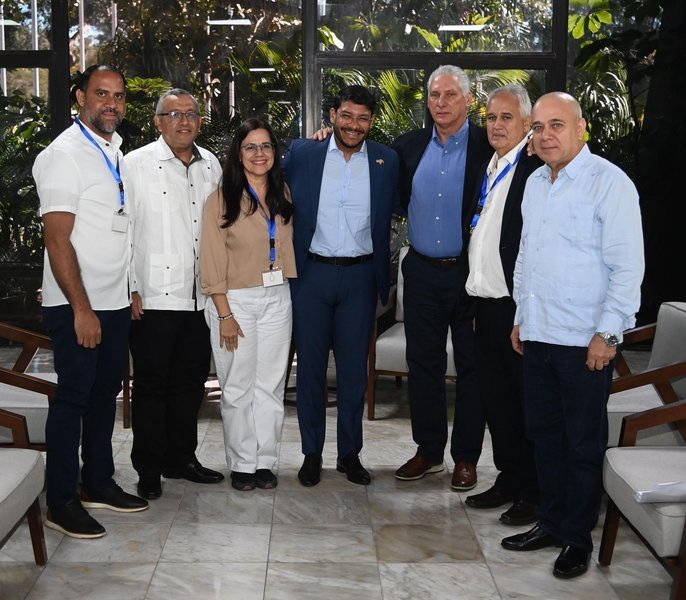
417, 467
464, 477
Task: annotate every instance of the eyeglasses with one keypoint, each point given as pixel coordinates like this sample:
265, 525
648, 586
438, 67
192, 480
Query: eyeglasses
265, 147
177, 115
364, 120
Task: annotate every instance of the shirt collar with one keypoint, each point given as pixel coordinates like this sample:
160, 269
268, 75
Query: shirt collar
164, 152
114, 143
453, 140
333, 146
509, 158
575, 166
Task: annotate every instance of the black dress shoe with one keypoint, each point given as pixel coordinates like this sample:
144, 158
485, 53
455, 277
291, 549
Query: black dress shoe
352, 467
73, 520
520, 513
310, 472
193, 471
114, 498
534, 539
149, 488
493, 497
572, 562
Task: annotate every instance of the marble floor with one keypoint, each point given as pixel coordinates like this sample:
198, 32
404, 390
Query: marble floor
391, 540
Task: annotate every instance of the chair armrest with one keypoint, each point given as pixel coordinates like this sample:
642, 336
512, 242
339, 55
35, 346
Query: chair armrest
30, 340
27, 382
639, 334
17, 423
669, 413
659, 377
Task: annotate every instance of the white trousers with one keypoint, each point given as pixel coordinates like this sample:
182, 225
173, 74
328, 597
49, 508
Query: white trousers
252, 377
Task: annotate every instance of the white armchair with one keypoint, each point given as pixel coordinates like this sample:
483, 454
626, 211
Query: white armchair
664, 380
22, 475
629, 469
387, 349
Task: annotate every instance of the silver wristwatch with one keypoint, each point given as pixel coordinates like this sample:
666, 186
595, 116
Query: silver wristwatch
609, 338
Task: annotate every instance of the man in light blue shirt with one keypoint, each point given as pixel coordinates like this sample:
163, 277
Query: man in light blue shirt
577, 288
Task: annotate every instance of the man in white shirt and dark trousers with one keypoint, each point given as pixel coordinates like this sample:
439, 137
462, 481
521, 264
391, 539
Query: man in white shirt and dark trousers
168, 182
86, 302
496, 229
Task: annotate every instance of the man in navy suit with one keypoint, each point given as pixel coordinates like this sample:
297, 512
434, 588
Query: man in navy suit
343, 191
438, 179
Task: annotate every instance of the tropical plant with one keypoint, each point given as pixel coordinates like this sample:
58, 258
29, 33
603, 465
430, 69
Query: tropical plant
24, 132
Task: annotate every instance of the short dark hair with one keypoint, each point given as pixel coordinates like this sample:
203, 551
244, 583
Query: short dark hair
81, 80
357, 94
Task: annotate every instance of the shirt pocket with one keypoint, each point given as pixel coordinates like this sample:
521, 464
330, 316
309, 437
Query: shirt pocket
166, 272
579, 224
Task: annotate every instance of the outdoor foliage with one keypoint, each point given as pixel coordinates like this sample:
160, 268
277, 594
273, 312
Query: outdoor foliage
24, 132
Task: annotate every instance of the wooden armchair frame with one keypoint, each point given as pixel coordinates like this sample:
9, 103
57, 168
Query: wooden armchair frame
16, 376
674, 412
20, 436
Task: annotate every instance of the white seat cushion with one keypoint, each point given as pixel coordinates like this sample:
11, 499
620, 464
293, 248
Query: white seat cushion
639, 468
390, 351
639, 399
32, 405
21, 480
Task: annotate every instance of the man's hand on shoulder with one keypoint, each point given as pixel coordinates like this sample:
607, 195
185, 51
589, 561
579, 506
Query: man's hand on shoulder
321, 134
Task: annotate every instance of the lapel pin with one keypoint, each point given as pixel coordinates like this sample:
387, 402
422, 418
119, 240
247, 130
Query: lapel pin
379, 161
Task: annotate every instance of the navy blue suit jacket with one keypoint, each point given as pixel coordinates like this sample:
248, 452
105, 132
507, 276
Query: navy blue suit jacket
304, 166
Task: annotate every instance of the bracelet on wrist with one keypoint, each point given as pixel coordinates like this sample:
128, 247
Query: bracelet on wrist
229, 316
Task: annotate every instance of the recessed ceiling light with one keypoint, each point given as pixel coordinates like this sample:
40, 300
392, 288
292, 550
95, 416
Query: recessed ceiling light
461, 27
229, 22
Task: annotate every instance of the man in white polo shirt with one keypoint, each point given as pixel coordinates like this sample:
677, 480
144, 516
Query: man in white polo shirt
86, 302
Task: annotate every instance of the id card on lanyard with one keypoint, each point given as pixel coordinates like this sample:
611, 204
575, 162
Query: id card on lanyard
120, 219
273, 276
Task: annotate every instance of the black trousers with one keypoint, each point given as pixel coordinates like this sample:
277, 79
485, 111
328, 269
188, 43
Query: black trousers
85, 402
502, 397
171, 359
566, 418
435, 300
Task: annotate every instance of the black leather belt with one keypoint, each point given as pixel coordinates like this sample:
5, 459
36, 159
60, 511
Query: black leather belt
448, 261
340, 261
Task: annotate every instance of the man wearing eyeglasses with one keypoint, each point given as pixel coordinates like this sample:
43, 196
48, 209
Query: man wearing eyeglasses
343, 193
168, 182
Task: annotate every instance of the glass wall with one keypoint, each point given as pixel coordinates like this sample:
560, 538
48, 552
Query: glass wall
435, 25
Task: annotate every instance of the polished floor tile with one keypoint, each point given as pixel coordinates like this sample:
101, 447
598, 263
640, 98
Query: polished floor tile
391, 540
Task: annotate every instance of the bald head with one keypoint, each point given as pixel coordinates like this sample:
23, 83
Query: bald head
558, 129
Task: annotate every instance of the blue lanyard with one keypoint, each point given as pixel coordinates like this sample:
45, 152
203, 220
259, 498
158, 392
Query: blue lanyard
114, 170
271, 225
485, 190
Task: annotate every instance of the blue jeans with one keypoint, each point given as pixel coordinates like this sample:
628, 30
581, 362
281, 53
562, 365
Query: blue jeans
566, 419
84, 405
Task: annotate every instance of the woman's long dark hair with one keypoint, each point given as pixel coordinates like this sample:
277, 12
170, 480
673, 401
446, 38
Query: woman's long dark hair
235, 183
